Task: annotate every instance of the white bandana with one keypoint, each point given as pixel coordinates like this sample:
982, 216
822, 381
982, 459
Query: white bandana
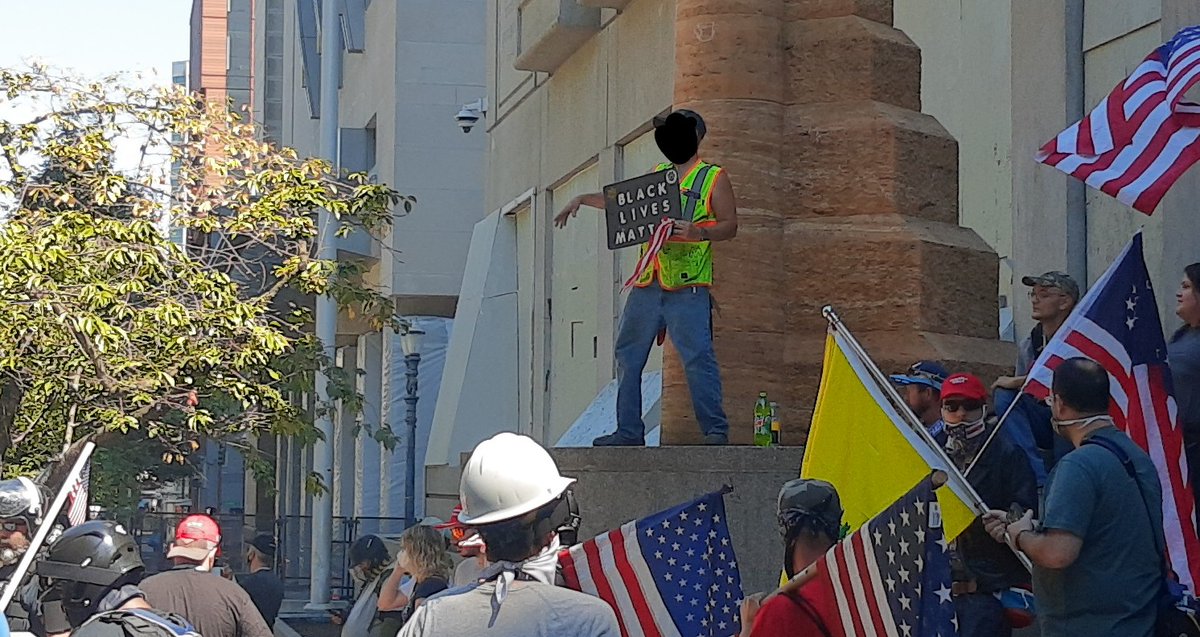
540, 567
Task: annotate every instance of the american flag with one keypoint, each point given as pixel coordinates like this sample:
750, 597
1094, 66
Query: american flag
672, 574
891, 577
77, 499
1117, 325
1138, 141
657, 241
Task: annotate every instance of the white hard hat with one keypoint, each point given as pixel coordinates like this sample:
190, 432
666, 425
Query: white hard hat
508, 476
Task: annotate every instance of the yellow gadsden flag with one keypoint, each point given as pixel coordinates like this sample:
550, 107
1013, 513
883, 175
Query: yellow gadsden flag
860, 444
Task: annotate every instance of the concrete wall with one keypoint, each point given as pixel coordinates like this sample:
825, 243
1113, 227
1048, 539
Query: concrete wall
966, 83
614, 487
995, 74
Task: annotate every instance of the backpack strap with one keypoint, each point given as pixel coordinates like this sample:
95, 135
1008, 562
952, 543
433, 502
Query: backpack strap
807, 607
171, 624
1131, 471
693, 192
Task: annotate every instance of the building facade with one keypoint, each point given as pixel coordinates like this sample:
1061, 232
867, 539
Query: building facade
574, 85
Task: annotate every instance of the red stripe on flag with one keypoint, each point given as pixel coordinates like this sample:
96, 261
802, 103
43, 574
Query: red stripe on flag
636, 594
861, 555
604, 591
1177, 471
569, 572
856, 611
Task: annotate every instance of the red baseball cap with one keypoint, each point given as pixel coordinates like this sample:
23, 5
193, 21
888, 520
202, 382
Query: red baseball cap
195, 537
453, 523
965, 386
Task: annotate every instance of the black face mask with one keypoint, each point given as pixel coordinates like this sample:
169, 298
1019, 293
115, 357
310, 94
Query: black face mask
677, 138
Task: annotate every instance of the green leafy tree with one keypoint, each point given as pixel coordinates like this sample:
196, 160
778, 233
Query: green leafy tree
107, 328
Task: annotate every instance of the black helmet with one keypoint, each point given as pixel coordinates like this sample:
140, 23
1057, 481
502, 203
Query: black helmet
99, 552
89, 562
22, 498
370, 549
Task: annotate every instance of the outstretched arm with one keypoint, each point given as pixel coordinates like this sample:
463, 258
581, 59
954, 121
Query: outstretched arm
591, 199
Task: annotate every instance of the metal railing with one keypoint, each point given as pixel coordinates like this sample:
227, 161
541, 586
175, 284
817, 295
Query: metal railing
293, 533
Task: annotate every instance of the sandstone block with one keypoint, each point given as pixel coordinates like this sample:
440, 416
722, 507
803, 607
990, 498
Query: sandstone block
874, 10
851, 58
725, 56
866, 158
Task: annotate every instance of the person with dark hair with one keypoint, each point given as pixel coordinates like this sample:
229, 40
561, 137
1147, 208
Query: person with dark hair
673, 293
921, 389
1183, 356
262, 584
214, 605
1098, 552
1000, 473
369, 570
810, 521
513, 495
93, 571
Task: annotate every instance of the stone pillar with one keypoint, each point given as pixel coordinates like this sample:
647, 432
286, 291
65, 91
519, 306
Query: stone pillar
847, 196
367, 478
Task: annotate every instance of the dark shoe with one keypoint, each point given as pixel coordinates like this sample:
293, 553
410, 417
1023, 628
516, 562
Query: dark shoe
616, 440
716, 439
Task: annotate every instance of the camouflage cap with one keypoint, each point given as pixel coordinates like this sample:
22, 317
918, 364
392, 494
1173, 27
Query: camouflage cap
1055, 279
815, 501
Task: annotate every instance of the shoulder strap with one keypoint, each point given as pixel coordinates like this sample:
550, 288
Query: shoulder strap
1127, 463
692, 192
173, 624
812, 613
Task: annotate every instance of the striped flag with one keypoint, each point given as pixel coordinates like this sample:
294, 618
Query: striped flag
671, 574
77, 499
1117, 325
1143, 136
891, 577
657, 241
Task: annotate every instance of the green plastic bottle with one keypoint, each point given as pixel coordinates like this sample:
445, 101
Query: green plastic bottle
762, 421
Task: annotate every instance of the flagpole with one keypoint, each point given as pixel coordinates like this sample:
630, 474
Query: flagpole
882, 381
953, 474
937, 478
48, 521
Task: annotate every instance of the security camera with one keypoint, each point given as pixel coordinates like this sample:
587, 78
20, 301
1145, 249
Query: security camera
467, 118
470, 114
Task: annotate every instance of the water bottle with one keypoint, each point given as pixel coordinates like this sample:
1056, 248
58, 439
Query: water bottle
762, 421
776, 427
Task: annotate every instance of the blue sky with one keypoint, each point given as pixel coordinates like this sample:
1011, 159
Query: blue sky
96, 37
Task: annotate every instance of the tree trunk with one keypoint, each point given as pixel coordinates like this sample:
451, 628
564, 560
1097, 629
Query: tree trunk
10, 401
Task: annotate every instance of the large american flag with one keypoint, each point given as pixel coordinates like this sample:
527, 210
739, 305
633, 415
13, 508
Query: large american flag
77, 499
1138, 141
1117, 325
891, 577
672, 574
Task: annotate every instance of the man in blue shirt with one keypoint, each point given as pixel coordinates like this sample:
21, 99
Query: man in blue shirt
1098, 552
921, 389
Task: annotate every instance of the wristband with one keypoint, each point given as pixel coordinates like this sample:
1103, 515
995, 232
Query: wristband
1017, 539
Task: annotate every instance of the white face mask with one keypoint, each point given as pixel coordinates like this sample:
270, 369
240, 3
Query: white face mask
1059, 425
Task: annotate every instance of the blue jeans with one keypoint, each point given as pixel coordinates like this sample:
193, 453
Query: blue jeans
687, 315
1028, 427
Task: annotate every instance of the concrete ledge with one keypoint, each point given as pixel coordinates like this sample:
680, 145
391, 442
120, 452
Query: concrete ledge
617, 485
607, 4
551, 31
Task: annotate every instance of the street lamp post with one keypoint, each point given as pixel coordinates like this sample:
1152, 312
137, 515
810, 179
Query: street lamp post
410, 341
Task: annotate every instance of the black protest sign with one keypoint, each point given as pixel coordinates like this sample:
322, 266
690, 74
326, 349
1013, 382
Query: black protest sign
635, 207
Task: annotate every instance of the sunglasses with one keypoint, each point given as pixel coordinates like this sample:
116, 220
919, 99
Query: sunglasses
13, 526
952, 406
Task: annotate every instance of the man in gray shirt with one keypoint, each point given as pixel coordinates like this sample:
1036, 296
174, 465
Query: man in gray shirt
1098, 553
513, 495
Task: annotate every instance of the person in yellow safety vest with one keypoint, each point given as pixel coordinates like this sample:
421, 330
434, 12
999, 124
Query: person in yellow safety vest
673, 294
